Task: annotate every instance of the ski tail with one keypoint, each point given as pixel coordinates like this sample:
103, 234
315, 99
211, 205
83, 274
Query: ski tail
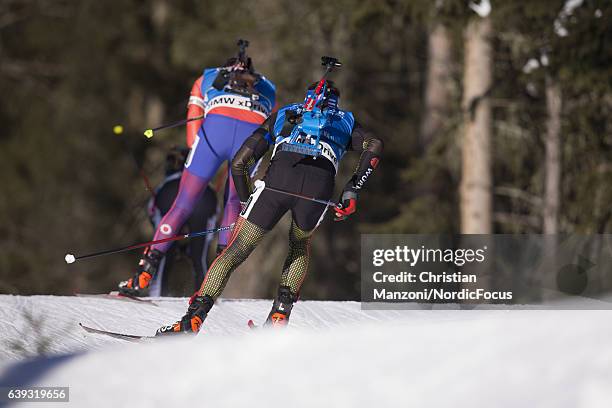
122, 336
118, 296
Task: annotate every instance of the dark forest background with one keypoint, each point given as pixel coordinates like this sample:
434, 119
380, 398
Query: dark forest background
493, 122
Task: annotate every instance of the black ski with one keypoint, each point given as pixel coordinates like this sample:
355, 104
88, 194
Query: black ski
122, 336
118, 296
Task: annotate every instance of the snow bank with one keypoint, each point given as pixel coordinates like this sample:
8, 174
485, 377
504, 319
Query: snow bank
333, 355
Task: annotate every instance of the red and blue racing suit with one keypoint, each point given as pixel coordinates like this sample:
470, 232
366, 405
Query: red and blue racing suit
229, 119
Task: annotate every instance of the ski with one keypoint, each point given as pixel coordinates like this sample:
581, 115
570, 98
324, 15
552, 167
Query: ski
118, 296
122, 336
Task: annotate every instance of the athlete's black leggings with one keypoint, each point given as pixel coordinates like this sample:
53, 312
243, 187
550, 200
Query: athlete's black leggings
264, 209
245, 239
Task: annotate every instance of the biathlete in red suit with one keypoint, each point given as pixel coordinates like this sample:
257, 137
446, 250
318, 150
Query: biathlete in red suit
235, 100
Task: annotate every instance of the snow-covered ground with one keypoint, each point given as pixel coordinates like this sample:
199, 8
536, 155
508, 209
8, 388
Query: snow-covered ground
333, 355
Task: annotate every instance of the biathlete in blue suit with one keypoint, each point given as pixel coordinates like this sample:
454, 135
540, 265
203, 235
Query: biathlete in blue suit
234, 101
309, 140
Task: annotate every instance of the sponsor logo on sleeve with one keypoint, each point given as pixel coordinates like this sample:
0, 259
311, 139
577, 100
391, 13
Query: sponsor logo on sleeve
363, 179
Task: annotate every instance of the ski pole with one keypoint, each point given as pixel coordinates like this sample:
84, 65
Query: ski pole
70, 258
316, 200
149, 132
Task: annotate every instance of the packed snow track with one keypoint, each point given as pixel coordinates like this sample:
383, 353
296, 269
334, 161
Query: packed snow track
333, 355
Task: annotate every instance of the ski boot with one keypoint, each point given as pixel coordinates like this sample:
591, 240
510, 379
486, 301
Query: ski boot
199, 306
281, 309
147, 268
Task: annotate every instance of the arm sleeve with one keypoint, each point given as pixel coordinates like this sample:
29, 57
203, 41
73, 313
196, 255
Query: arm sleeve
371, 149
195, 108
251, 150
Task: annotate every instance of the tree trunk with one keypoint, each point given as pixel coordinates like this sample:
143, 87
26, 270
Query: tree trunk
438, 86
553, 157
552, 183
475, 190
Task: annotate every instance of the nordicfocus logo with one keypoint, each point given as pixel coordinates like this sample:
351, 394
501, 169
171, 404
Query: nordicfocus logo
166, 229
363, 178
237, 102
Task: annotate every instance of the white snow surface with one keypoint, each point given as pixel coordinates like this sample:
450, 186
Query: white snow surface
333, 355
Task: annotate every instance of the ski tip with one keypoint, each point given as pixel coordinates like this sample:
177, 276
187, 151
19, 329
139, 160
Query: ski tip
251, 324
